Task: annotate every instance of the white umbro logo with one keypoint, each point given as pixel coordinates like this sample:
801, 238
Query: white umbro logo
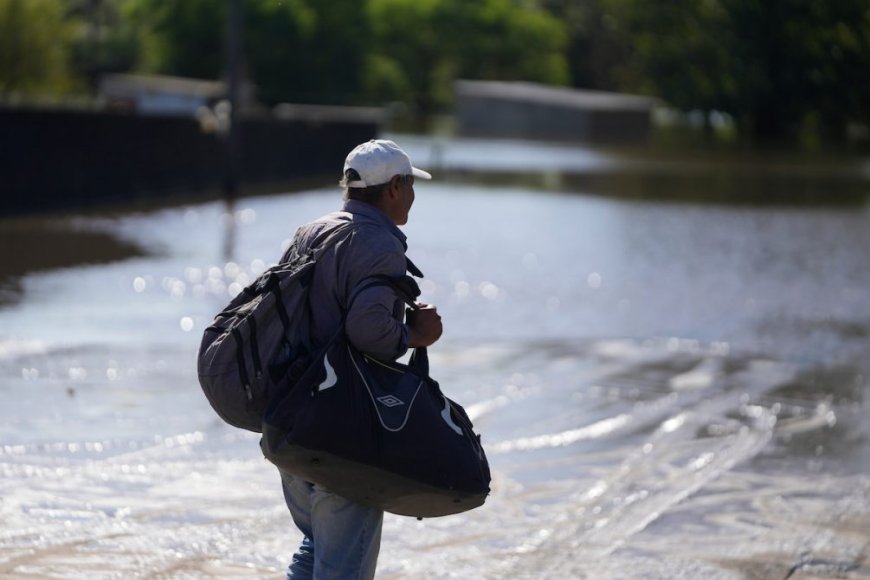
390, 401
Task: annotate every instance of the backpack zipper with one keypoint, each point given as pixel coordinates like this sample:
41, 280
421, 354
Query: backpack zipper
255, 351
240, 356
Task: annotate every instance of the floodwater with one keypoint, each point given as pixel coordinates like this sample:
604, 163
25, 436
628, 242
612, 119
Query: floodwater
665, 389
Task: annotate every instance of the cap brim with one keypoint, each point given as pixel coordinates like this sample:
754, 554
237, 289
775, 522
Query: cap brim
420, 173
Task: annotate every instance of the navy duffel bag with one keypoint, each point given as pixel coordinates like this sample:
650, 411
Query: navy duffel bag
380, 434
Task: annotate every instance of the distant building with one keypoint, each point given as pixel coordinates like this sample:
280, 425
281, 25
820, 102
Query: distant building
329, 114
159, 95
533, 111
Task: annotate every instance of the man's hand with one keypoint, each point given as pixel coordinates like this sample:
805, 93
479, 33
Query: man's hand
424, 325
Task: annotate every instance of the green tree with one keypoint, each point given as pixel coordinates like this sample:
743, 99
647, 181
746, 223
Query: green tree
502, 40
800, 62
403, 63
347, 51
35, 37
297, 50
186, 37
421, 46
106, 39
309, 52
678, 51
773, 65
595, 48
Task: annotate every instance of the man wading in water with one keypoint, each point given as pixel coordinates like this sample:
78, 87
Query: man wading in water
342, 538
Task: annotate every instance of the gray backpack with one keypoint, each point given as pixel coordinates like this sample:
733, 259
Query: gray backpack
262, 335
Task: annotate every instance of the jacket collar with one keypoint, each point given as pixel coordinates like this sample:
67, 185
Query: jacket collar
368, 211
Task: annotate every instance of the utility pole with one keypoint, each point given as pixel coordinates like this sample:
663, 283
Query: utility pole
234, 81
232, 165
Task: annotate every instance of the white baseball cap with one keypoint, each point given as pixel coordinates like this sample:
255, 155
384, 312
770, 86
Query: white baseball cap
377, 161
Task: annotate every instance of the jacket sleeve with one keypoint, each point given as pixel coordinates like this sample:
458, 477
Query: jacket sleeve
374, 319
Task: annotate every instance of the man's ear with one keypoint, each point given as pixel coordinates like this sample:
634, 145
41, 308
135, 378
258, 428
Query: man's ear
395, 185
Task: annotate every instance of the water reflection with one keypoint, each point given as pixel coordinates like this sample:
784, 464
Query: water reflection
747, 178
230, 228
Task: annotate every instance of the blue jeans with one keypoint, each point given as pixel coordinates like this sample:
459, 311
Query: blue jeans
341, 538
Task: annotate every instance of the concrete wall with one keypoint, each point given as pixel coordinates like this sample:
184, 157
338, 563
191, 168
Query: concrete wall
58, 159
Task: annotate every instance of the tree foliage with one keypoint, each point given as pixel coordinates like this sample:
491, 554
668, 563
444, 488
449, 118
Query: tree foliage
35, 40
803, 62
420, 46
299, 50
189, 35
774, 65
778, 67
594, 47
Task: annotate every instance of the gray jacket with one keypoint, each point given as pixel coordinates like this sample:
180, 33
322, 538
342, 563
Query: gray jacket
374, 247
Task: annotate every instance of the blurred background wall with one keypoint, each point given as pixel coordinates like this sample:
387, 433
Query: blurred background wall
53, 159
